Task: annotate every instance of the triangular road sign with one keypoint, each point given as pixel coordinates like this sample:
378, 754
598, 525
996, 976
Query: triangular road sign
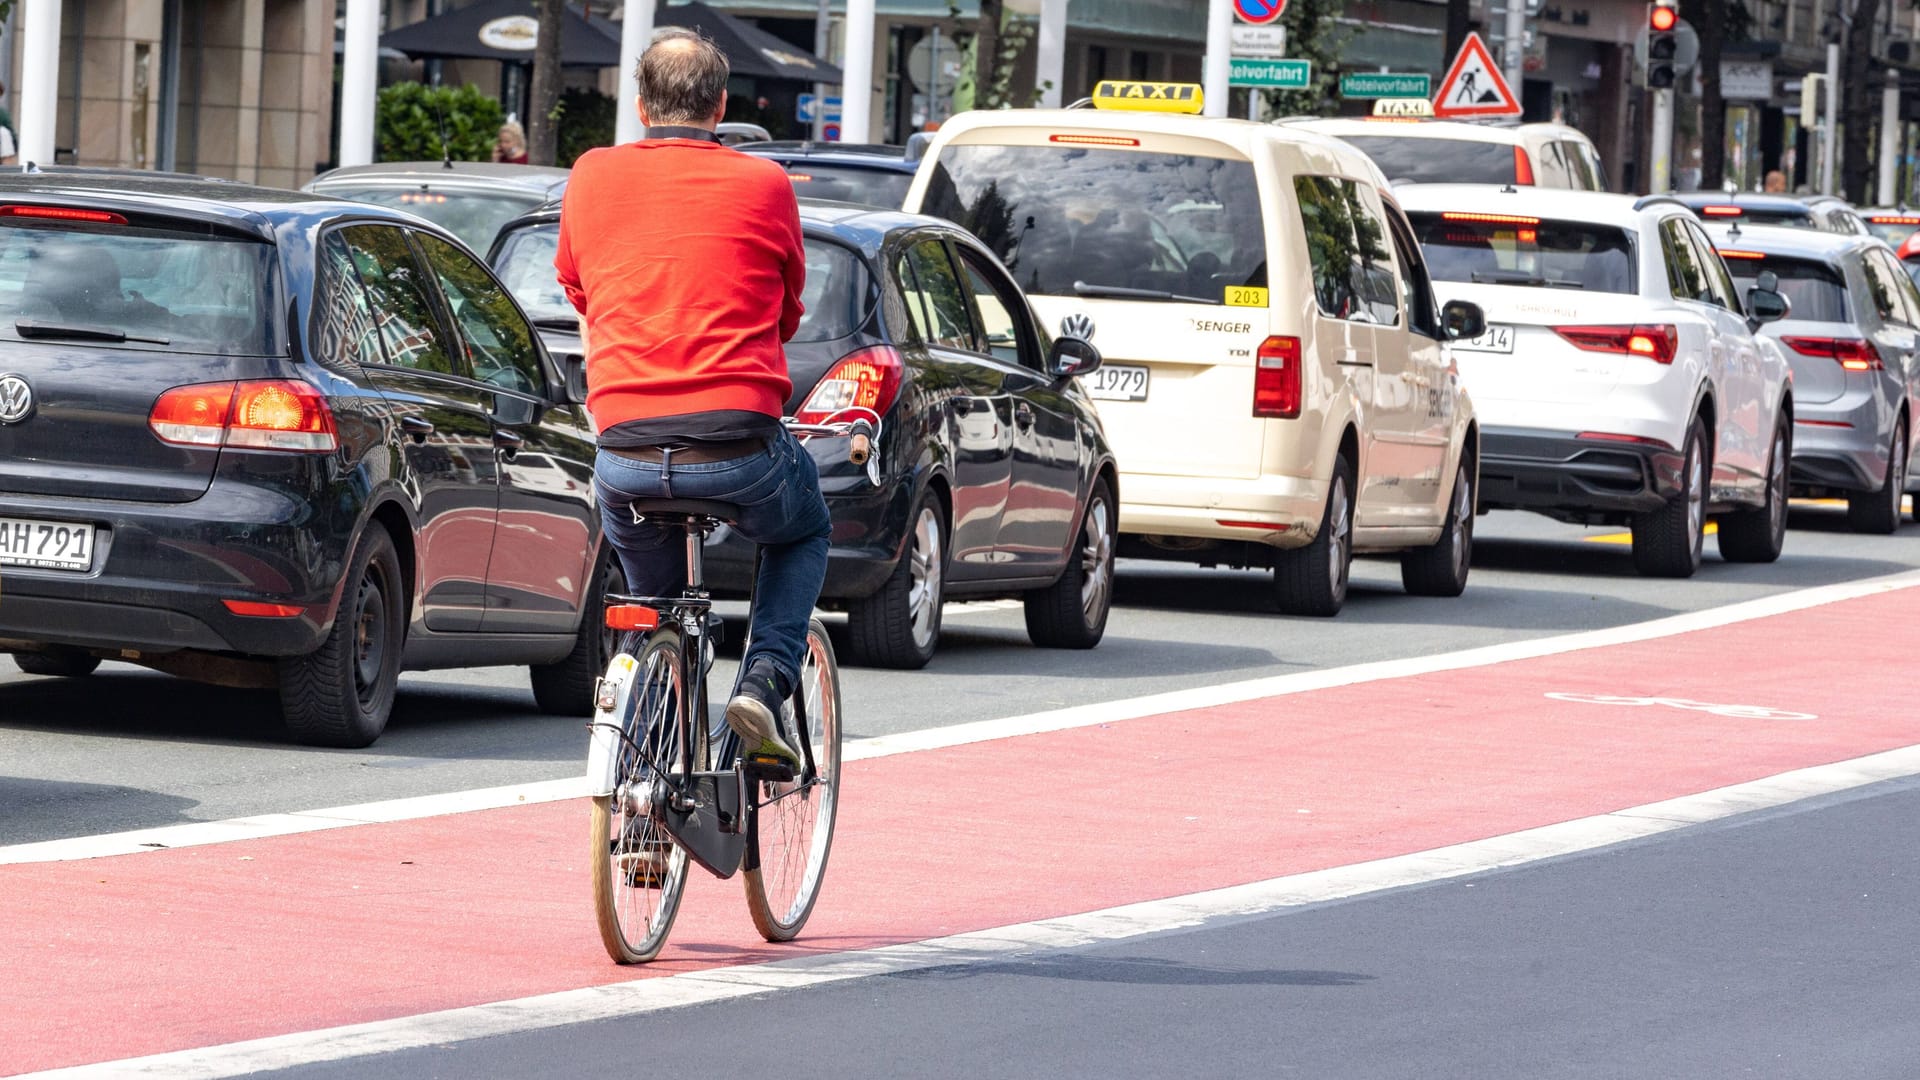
1473, 86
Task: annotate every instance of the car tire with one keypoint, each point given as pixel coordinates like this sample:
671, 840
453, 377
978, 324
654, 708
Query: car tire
67, 663
1441, 568
1879, 511
1313, 580
1667, 542
1757, 535
566, 688
1072, 612
341, 694
899, 626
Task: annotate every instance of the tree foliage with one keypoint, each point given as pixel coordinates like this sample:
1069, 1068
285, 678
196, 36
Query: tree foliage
586, 121
411, 117
1313, 33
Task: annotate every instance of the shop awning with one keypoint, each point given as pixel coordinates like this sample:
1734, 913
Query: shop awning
505, 30
751, 52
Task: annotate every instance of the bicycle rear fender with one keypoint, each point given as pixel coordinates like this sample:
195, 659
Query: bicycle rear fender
603, 740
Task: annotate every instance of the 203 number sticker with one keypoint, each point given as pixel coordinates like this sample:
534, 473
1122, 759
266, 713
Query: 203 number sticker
1738, 712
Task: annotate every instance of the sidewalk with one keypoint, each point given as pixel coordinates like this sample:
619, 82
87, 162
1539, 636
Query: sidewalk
131, 955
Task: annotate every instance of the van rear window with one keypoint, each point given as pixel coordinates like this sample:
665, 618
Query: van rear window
161, 289
1514, 250
1074, 220
1438, 161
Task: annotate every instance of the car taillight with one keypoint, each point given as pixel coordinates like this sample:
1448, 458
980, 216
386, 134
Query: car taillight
266, 414
1276, 378
1854, 354
868, 379
1722, 211
1522, 167
1655, 342
63, 213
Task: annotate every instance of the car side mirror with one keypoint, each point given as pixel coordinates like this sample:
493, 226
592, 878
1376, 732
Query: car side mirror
1462, 321
1764, 306
1072, 356
573, 367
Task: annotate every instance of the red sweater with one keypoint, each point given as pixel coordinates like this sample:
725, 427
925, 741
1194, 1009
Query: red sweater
685, 257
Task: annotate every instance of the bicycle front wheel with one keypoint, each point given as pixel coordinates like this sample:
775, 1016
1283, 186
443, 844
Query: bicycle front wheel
639, 873
795, 827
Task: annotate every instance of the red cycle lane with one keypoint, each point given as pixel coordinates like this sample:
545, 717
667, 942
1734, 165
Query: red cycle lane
132, 955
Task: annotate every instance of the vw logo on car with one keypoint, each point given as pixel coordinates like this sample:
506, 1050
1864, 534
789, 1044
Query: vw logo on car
16, 399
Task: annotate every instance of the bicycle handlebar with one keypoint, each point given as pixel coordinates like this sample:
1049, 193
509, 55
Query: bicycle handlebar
863, 430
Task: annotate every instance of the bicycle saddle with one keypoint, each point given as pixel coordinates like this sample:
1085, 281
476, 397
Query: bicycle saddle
708, 508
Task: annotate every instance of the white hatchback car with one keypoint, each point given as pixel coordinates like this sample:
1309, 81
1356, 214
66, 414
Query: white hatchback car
1620, 380
1457, 152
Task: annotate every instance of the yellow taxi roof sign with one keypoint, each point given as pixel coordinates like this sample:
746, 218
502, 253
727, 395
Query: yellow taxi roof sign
1130, 96
1403, 108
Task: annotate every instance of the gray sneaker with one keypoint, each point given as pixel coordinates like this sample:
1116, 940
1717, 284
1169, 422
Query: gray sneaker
752, 714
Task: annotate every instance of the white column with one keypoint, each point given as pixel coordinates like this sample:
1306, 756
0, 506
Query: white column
1515, 60
1219, 61
1660, 168
1890, 138
856, 87
39, 99
1051, 59
823, 41
359, 81
636, 29
1831, 127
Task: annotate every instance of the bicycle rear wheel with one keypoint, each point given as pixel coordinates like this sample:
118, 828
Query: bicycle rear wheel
795, 829
639, 873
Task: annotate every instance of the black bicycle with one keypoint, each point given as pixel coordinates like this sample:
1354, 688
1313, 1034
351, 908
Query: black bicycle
669, 784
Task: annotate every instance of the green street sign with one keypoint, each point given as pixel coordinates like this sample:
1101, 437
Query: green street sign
1373, 84
1272, 74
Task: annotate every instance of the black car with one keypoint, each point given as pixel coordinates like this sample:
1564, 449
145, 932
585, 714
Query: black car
470, 199
268, 439
1747, 209
869, 174
995, 478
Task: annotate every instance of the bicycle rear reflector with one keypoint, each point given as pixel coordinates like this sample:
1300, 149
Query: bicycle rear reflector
631, 617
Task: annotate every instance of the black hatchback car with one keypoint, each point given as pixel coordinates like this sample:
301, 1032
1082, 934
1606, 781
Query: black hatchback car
268, 439
869, 174
995, 478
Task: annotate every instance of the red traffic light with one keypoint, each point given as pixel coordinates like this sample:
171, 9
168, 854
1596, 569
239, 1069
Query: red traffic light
1662, 18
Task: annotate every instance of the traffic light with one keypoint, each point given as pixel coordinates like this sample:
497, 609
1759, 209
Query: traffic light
1661, 45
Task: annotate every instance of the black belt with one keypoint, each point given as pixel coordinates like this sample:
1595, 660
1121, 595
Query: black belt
692, 453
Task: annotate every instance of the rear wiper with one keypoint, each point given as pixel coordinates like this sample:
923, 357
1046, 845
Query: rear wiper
1084, 289
1481, 277
27, 328
558, 322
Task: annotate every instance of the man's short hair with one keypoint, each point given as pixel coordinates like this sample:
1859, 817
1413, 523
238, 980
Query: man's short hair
682, 77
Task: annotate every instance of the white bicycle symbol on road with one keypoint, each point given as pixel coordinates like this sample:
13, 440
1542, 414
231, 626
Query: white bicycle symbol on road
1739, 712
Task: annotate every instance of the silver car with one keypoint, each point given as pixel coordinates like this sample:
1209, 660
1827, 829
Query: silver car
1851, 335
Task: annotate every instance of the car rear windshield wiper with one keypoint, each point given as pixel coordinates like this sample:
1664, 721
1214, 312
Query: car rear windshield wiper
27, 328
1482, 277
1083, 289
558, 322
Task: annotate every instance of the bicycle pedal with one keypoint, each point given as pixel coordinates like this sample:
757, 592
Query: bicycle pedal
766, 767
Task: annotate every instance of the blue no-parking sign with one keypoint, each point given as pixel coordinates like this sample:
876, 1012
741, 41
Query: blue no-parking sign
1258, 11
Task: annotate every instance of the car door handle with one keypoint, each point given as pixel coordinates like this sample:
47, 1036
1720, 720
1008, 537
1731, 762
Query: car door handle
1023, 416
417, 427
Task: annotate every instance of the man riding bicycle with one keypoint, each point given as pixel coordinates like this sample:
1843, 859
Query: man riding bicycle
684, 259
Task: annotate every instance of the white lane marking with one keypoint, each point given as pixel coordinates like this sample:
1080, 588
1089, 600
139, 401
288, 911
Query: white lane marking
1738, 712
643, 996
1106, 712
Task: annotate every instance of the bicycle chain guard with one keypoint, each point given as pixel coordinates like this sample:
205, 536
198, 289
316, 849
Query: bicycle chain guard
711, 828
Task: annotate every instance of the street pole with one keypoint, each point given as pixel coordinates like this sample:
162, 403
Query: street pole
1051, 68
39, 79
856, 92
1660, 174
359, 80
636, 30
1831, 127
822, 41
1889, 138
1516, 44
1218, 66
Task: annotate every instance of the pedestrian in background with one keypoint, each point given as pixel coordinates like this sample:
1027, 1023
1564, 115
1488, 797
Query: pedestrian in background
510, 147
1775, 183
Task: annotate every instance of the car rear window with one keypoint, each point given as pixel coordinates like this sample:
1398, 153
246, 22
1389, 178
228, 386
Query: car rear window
1791, 217
1894, 229
161, 289
473, 216
1438, 161
1502, 249
1076, 220
838, 294
849, 183
1815, 290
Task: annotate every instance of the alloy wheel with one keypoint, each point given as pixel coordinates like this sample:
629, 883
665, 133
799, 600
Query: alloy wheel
1340, 527
925, 563
1096, 560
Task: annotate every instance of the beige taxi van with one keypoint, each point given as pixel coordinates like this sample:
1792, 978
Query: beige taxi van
1277, 388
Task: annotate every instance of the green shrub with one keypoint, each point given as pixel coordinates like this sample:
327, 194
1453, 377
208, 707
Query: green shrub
586, 121
409, 119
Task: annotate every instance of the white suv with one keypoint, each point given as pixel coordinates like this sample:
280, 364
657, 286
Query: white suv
1619, 379
1276, 385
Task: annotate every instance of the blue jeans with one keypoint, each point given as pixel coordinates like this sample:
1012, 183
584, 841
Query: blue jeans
781, 509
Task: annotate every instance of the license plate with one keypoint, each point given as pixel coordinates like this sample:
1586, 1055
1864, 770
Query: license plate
1118, 382
1497, 339
45, 545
